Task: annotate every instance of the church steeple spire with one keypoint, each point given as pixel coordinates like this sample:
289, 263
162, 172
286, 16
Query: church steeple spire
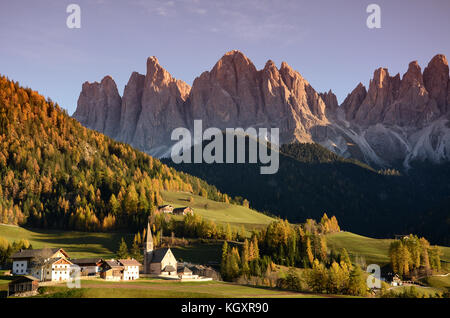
149, 241
148, 249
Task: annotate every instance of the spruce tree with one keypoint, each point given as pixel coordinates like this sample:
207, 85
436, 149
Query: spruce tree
357, 283
136, 252
122, 253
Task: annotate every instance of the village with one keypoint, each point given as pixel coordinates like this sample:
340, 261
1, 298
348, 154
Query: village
36, 272
40, 267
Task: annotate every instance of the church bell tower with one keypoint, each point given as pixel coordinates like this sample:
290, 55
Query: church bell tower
148, 250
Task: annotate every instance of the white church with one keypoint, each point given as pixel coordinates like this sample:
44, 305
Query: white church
159, 261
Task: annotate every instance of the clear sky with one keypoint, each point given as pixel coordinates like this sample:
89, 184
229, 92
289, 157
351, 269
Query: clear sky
328, 42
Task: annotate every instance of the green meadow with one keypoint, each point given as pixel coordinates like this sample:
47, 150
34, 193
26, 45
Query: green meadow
89, 244
151, 288
219, 212
77, 244
374, 251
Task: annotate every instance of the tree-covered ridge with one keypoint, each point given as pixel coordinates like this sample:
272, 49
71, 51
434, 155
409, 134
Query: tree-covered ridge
312, 180
315, 153
56, 173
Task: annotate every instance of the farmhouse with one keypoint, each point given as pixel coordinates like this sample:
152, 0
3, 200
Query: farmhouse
122, 269
23, 286
111, 270
160, 261
130, 269
53, 269
183, 211
185, 273
165, 208
44, 264
396, 281
88, 266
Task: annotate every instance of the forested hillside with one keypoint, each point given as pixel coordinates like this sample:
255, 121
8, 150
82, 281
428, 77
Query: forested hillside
312, 180
54, 173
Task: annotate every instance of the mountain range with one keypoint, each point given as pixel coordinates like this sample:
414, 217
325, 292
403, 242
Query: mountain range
395, 121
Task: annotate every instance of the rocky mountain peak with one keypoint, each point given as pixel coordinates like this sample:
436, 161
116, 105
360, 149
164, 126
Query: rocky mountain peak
99, 106
437, 83
331, 102
131, 107
383, 122
231, 66
353, 101
157, 78
383, 90
412, 78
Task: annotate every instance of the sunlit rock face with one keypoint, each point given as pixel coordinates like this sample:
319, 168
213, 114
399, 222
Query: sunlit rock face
396, 120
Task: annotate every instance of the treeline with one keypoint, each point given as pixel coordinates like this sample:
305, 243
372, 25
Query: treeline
339, 278
410, 255
312, 179
54, 173
244, 263
297, 246
194, 226
7, 249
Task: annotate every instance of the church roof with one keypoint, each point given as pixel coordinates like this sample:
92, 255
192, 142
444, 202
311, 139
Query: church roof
159, 254
169, 268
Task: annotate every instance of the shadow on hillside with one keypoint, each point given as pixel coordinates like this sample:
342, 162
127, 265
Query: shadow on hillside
80, 242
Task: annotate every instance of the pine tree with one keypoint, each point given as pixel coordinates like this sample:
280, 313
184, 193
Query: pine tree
255, 247
122, 253
323, 248
135, 252
245, 259
424, 257
317, 277
309, 252
346, 258
334, 279
228, 234
224, 260
357, 282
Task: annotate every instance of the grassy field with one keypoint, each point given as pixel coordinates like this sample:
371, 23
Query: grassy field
149, 288
439, 282
198, 253
83, 244
422, 291
104, 245
375, 251
77, 244
219, 212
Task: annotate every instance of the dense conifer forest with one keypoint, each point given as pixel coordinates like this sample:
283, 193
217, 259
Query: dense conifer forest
312, 180
54, 173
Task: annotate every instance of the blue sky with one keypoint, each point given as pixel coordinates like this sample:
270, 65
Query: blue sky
328, 42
